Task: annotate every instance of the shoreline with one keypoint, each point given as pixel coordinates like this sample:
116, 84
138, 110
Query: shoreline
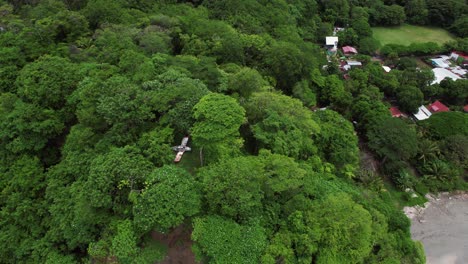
441, 224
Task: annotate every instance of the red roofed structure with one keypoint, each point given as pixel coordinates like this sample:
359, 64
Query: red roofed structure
465, 108
395, 112
456, 55
349, 49
437, 106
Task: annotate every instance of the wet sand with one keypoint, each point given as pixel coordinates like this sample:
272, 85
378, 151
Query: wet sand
442, 227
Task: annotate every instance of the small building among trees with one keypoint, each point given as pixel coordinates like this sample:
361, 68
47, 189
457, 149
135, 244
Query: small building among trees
348, 50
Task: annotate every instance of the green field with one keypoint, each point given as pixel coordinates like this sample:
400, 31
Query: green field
407, 34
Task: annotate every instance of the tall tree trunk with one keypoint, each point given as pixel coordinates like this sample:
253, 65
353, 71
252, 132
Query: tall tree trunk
201, 157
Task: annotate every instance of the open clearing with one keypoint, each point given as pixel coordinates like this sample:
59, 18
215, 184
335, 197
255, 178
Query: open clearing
407, 34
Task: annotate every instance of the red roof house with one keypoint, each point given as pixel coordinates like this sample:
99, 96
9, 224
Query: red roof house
465, 108
395, 111
456, 55
349, 50
437, 106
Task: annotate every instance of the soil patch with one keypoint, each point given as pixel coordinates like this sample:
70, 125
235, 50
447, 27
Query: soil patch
179, 246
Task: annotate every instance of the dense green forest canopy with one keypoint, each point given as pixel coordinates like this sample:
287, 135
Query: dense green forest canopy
93, 95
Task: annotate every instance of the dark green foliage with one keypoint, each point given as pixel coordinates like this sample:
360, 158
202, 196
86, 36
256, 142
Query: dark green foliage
48, 82
446, 124
416, 12
26, 127
337, 142
392, 15
393, 139
368, 45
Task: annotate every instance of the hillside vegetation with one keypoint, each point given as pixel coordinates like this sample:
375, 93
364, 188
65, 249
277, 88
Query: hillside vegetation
94, 95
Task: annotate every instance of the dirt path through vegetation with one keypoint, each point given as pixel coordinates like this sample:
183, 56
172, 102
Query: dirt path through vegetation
179, 246
442, 227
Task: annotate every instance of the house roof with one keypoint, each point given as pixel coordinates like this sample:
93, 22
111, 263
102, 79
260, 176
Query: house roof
441, 73
331, 41
349, 49
354, 63
386, 68
437, 106
423, 113
465, 108
395, 111
461, 54
440, 62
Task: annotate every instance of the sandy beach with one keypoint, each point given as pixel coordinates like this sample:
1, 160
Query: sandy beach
442, 226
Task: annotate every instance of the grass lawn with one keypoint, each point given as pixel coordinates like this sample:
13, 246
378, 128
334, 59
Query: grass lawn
407, 34
190, 161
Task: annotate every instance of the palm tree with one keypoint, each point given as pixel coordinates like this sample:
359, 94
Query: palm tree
428, 150
438, 170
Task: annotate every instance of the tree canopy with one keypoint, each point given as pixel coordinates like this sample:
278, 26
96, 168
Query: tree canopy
95, 97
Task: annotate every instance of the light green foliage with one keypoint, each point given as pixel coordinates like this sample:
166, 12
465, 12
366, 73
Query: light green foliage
170, 195
297, 243
219, 118
124, 245
323, 232
224, 241
57, 258
282, 124
233, 188
94, 93
284, 177
22, 207
341, 242
151, 252
137, 66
